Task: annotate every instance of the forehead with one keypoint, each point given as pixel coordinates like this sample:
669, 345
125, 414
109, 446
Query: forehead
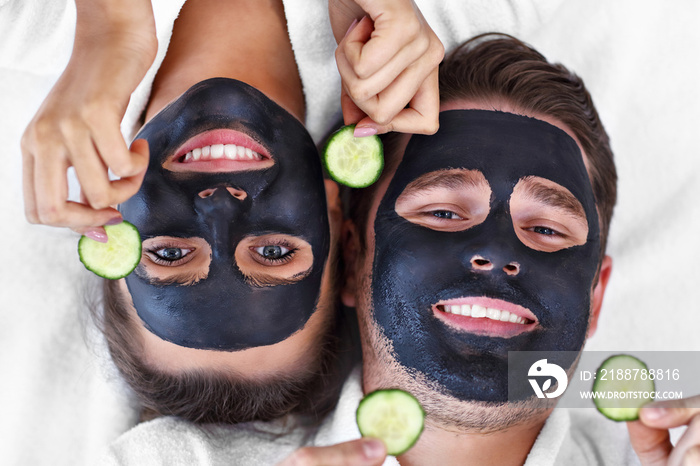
503, 146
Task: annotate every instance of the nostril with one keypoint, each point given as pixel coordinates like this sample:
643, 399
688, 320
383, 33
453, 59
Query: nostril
512, 268
481, 263
207, 193
237, 193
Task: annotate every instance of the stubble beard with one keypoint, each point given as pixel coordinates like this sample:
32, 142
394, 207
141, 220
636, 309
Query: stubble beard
443, 411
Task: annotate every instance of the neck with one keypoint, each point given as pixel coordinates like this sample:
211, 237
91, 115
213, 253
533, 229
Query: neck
215, 38
440, 445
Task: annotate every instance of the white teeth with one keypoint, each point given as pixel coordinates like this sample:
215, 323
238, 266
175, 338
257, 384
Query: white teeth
478, 312
230, 151
218, 151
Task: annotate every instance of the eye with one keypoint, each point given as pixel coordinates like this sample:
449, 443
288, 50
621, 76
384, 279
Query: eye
446, 215
274, 254
169, 256
545, 231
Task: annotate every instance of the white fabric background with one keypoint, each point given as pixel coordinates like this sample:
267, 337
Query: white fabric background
60, 402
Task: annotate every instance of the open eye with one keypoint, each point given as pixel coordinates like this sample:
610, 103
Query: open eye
169, 256
274, 254
446, 200
544, 231
445, 215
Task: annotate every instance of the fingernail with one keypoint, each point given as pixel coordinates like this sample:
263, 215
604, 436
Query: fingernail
96, 235
352, 26
372, 448
654, 413
115, 221
363, 131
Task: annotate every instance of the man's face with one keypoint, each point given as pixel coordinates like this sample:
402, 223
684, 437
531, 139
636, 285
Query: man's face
486, 241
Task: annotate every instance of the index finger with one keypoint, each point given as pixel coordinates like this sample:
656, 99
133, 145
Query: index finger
112, 148
422, 114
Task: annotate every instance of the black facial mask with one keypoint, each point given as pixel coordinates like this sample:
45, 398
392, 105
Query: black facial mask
224, 311
415, 267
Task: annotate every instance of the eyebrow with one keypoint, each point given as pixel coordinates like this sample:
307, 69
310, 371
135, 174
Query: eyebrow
443, 179
182, 278
558, 198
263, 279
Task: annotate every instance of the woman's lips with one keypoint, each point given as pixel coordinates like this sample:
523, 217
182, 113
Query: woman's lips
219, 150
485, 316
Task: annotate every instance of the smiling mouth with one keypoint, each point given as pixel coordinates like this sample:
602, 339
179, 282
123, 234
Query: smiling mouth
485, 316
219, 150
479, 312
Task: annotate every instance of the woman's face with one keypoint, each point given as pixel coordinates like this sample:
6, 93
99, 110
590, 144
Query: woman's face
233, 219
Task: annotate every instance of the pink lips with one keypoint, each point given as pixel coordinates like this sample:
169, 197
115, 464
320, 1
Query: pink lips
450, 311
222, 136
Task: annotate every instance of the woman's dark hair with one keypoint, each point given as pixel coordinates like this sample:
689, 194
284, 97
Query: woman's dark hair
216, 397
497, 68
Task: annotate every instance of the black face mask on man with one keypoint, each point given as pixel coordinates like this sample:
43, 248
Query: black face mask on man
416, 267
225, 310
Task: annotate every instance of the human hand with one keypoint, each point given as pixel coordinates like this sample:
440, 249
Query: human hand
650, 436
360, 452
388, 63
78, 124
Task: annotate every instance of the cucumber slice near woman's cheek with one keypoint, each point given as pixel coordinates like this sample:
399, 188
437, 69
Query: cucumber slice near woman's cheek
629, 378
116, 258
354, 162
393, 416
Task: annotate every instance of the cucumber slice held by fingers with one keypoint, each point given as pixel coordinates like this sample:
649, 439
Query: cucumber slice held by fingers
354, 162
393, 416
622, 385
116, 258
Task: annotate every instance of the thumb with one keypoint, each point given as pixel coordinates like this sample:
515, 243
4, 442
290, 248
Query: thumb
653, 446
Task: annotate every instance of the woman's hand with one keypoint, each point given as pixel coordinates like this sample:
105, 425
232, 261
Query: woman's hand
360, 452
388, 63
78, 124
650, 436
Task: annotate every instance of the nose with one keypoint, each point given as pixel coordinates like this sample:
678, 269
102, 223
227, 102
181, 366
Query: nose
480, 263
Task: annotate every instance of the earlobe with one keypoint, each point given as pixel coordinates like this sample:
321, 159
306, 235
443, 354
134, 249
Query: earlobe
351, 247
598, 293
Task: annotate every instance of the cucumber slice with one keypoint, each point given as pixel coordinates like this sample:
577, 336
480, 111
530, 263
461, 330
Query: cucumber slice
625, 375
393, 416
354, 162
116, 258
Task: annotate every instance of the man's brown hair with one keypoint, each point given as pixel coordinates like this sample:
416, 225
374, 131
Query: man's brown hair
499, 68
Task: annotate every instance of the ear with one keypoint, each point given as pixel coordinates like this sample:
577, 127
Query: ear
598, 293
351, 248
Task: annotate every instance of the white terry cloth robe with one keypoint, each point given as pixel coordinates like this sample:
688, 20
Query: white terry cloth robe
576, 437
